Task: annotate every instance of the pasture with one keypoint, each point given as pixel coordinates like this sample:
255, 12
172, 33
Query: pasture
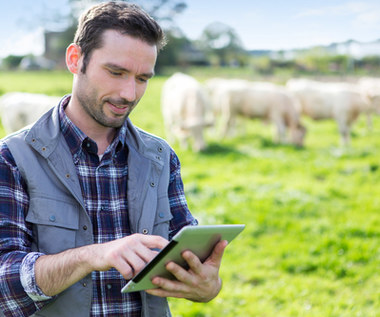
311, 246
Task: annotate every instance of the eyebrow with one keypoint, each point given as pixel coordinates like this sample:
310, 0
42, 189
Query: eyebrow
122, 69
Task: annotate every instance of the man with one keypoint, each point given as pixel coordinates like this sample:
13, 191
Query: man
86, 197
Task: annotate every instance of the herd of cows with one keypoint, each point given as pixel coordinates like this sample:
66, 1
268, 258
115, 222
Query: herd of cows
189, 107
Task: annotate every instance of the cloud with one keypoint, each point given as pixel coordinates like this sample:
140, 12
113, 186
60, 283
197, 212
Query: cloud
310, 13
355, 15
20, 43
369, 19
344, 9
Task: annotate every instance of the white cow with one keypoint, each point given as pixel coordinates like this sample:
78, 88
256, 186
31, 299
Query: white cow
19, 109
216, 88
342, 102
262, 100
370, 87
185, 110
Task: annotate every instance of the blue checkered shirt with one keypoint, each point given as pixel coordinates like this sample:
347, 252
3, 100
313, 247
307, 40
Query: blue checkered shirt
104, 187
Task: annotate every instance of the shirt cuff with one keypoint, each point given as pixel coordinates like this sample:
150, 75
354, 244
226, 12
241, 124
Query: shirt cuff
28, 278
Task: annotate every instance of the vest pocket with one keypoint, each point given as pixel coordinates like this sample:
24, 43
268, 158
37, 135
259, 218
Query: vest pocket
55, 223
163, 217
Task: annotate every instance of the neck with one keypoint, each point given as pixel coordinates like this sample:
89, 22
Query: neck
103, 136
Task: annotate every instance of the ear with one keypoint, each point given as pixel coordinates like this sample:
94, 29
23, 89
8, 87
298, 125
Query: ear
73, 54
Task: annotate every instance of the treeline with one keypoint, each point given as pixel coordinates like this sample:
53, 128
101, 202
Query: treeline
219, 46
339, 65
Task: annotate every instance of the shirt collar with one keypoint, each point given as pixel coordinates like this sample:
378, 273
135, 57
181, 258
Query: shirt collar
77, 139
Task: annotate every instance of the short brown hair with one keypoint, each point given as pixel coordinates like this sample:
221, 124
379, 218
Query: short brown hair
124, 17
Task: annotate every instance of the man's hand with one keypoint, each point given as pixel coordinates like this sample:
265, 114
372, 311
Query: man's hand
200, 283
55, 273
128, 255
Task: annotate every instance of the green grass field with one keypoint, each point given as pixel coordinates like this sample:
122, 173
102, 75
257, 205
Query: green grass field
311, 246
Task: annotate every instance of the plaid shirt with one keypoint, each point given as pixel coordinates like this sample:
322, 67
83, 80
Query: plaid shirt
104, 187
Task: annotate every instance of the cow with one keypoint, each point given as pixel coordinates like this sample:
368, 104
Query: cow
342, 102
186, 110
370, 87
19, 109
262, 100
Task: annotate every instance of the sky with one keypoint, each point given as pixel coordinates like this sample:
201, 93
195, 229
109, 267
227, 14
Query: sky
260, 24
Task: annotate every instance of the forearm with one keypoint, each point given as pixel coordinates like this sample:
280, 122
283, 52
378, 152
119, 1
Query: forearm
128, 255
55, 273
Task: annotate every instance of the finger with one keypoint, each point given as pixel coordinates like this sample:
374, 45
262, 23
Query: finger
146, 254
193, 261
168, 288
214, 259
135, 262
124, 268
164, 293
180, 273
144, 246
153, 242
171, 286
217, 254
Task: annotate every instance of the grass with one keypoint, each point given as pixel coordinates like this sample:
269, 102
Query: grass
311, 246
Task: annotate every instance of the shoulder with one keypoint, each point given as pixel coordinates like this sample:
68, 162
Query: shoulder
15, 140
152, 146
5, 153
150, 139
155, 145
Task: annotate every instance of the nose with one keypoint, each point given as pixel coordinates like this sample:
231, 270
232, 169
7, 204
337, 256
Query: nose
128, 89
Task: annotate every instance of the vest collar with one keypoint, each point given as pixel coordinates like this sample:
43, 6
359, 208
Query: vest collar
45, 134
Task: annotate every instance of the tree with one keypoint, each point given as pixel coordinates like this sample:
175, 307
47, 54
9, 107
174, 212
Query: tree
180, 51
160, 10
12, 61
171, 54
220, 40
57, 42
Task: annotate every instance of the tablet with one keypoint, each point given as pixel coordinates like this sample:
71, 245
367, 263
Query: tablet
198, 239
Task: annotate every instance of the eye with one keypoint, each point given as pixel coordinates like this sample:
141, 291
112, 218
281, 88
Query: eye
142, 79
115, 73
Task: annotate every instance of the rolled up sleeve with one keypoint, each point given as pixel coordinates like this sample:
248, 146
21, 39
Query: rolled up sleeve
28, 279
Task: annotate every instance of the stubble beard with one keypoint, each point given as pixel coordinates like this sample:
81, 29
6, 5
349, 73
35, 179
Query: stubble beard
97, 112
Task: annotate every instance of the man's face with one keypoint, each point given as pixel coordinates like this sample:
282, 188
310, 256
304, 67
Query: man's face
115, 79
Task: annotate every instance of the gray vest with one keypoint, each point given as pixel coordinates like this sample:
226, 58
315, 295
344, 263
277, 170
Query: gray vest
57, 209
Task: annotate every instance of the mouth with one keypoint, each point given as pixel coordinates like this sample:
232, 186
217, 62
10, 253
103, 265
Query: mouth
117, 108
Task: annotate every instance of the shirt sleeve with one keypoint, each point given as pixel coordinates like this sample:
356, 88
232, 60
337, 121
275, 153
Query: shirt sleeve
177, 200
28, 278
15, 241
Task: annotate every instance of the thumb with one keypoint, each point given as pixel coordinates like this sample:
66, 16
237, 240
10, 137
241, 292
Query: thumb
216, 256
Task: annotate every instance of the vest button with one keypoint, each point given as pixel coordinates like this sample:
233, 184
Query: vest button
145, 231
161, 215
84, 284
109, 286
159, 149
152, 184
84, 227
52, 218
